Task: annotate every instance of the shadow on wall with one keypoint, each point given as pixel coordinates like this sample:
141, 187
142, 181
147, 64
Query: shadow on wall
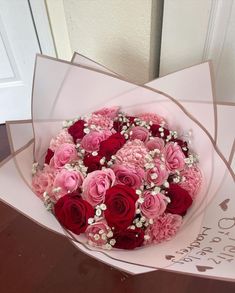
128, 62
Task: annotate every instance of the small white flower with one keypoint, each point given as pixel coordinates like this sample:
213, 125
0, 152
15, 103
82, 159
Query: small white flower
90, 221
140, 200
168, 199
56, 189
103, 236
154, 176
138, 192
139, 224
86, 130
110, 234
103, 207
112, 242
108, 246
142, 219
176, 179
150, 221
166, 184
98, 212
157, 189
96, 237
34, 168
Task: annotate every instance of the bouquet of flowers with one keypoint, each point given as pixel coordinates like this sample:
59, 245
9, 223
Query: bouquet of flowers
125, 181
122, 178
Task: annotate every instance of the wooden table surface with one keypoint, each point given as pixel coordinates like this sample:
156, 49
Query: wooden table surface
34, 260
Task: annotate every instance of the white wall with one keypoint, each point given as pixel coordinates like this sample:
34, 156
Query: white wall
116, 33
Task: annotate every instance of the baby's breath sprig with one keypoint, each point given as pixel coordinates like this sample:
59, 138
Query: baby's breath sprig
48, 203
35, 168
69, 122
77, 166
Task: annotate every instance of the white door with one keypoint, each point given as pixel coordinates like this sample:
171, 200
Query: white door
195, 31
19, 42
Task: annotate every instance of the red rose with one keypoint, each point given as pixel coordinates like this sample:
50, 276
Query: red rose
120, 201
131, 119
48, 157
92, 162
180, 200
182, 144
77, 130
129, 238
156, 132
117, 125
73, 213
111, 145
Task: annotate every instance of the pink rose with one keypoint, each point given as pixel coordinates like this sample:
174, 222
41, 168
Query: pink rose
192, 179
68, 181
91, 141
43, 181
153, 205
64, 154
61, 138
156, 119
100, 121
155, 144
129, 175
95, 185
108, 112
97, 233
139, 132
174, 157
158, 174
163, 228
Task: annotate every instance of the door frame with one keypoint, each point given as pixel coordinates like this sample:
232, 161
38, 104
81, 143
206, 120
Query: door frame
51, 27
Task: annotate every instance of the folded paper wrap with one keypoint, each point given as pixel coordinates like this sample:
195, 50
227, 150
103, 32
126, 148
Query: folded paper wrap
206, 243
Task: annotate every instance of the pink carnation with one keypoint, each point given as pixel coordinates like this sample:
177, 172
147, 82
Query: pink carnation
192, 180
100, 121
61, 138
68, 181
153, 205
129, 175
64, 154
95, 185
156, 119
132, 153
174, 157
163, 228
43, 181
91, 141
108, 112
97, 233
158, 174
139, 132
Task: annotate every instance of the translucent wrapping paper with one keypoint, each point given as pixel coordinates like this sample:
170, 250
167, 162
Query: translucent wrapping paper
205, 245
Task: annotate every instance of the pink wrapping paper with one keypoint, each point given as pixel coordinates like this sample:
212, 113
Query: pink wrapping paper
207, 237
